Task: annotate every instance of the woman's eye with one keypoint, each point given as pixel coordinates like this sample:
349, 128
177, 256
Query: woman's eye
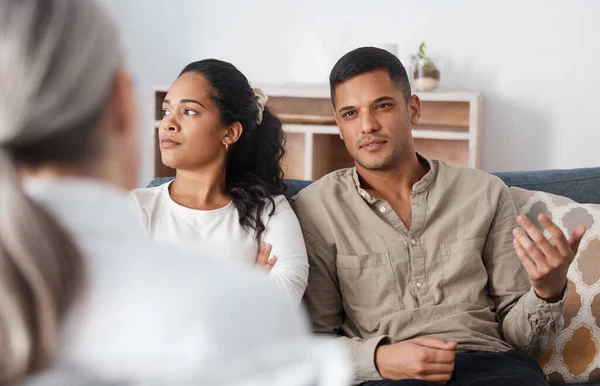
165, 112
189, 112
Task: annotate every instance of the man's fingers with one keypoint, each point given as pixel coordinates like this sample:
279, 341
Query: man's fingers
437, 356
437, 343
530, 247
576, 237
439, 368
536, 236
527, 261
560, 241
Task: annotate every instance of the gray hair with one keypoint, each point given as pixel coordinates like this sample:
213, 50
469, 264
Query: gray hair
58, 60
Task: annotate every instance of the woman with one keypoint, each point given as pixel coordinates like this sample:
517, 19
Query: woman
80, 288
227, 197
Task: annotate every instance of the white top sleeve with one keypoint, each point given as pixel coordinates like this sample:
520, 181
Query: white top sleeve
283, 232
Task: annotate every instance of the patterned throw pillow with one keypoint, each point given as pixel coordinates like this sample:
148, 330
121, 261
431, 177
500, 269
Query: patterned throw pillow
575, 356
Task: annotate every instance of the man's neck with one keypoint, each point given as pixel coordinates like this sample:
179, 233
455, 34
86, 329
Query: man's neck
395, 183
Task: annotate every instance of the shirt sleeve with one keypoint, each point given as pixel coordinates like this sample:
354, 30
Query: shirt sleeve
283, 232
529, 324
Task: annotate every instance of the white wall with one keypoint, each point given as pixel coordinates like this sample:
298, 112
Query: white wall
159, 38
535, 61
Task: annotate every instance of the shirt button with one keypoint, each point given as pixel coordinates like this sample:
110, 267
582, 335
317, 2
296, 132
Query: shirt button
382, 209
419, 284
413, 241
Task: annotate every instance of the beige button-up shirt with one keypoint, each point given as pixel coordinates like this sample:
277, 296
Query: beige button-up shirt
454, 274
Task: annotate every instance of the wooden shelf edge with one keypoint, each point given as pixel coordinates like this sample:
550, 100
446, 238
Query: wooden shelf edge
417, 133
306, 119
310, 129
436, 134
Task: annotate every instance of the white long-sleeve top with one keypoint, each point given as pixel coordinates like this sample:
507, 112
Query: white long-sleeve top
218, 233
151, 315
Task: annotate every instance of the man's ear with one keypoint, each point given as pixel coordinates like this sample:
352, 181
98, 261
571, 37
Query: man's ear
414, 109
337, 122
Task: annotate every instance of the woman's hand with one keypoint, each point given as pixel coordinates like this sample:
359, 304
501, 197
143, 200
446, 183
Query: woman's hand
262, 260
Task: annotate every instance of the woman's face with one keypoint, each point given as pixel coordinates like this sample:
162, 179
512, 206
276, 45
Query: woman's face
191, 134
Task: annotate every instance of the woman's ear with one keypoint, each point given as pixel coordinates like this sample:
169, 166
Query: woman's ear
233, 133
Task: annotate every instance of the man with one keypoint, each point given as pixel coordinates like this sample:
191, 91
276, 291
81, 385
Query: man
413, 262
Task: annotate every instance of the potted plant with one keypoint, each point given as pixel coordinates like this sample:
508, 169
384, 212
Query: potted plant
425, 73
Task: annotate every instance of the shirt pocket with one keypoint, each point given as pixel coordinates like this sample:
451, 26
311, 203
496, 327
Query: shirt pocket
368, 288
464, 275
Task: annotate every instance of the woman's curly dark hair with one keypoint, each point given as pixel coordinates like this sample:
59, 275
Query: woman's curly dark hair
253, 171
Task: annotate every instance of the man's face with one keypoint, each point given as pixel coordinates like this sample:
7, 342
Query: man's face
374, 120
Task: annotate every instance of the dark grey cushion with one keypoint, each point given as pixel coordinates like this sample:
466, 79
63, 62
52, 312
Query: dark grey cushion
580, 185
159, 181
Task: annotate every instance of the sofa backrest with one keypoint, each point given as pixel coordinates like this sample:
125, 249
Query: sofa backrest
580, 185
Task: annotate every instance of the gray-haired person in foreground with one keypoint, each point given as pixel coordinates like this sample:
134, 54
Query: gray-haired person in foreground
83, 290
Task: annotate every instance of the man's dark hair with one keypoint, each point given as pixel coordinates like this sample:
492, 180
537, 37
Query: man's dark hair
367, 59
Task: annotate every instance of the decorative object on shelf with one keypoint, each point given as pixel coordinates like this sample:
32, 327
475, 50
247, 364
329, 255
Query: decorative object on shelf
425, 71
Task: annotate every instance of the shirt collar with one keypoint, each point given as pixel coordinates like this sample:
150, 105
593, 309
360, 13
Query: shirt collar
419, 187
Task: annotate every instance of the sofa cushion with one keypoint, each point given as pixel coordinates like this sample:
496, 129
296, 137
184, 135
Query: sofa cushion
581, 185
575, 356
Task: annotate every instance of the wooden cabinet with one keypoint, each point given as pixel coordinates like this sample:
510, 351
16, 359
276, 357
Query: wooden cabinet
449, 129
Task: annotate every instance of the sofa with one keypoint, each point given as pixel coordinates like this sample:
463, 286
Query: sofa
569, 196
